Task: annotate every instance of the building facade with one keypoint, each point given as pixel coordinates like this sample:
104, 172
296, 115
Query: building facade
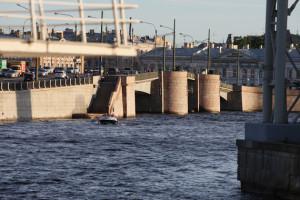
235, 66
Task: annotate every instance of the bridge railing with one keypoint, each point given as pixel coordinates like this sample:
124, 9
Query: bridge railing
42, 84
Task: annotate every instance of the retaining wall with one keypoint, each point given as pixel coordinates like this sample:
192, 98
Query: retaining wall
269, 168
59, 102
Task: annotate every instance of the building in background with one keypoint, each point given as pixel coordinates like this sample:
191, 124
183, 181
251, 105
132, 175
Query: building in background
242, 66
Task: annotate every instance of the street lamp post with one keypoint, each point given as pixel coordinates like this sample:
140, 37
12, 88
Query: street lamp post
164, 53
101, 39
69, 15
174, 42
155, 29
208, 53
26, 20
33, 29
187, 35
164, 50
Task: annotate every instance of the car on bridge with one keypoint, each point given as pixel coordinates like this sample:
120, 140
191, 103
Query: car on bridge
29, 76
72, 70
3, 72
43, 72
128, 71
58, 69
60, 75
49, 69
12, 73
112, 71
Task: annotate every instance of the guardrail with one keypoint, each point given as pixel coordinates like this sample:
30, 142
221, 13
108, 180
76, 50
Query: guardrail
41, 84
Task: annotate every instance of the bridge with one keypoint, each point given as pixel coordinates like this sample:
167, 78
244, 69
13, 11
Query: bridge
177, 93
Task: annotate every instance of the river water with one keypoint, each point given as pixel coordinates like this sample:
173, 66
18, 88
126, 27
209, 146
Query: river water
148, 158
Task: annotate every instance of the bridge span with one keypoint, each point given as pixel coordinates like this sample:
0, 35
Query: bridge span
178, 93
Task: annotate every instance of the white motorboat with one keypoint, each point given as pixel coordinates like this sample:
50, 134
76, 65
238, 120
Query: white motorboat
107, 119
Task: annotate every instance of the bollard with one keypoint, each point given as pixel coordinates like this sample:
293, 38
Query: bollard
8, 86
1, 86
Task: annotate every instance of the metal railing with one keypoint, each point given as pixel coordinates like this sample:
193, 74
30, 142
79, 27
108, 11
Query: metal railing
42, 84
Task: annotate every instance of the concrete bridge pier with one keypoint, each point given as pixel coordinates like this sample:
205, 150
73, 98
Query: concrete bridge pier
208, 97
128, 93
175, 93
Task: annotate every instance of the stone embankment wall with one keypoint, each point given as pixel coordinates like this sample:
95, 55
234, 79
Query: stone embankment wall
59, 102
269, 168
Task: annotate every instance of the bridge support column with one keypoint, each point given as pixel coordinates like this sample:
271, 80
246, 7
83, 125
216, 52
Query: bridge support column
128, 94
197, 93
175, 93
209, 93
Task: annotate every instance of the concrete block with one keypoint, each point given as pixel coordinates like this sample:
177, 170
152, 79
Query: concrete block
273, 132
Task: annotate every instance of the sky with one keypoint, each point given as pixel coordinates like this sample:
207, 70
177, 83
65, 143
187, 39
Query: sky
195, 17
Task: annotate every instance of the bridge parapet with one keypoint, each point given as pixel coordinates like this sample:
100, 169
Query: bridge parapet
146, 76
52, 83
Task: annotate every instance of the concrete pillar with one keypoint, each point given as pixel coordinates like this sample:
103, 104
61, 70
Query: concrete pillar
162, 91
197, 94
128, 90
82, 64
176, 93
280, 108
209, 93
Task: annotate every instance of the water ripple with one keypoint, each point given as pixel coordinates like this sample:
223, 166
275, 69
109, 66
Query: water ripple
151, 157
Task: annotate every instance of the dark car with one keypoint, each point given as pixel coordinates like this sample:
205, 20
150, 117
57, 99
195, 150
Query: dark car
58, 69
29, 76
113, 71
3, 72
